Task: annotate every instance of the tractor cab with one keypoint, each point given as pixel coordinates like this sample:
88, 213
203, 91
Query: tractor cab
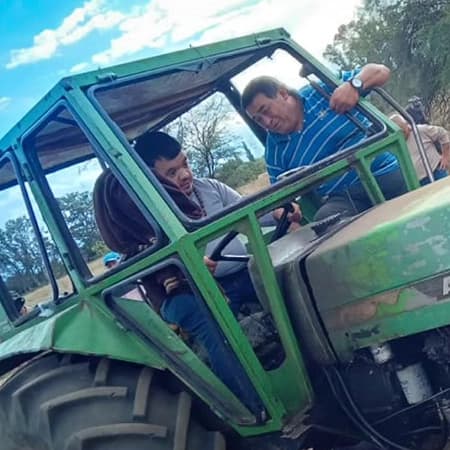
92, 336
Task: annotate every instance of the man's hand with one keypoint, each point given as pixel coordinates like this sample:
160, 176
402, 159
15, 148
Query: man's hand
210, 264
344, 98
293, 217
444, 163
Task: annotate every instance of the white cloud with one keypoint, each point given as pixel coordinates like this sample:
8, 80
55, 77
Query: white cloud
4, 102
146, 28
82, 21
81, 67
311, 23
173, 22
168, 22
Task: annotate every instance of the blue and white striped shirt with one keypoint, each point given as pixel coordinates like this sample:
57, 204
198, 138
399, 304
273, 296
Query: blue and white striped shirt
324, 133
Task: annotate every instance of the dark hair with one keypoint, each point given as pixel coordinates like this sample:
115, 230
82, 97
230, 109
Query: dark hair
268, 86
19, 303
154, 145
416, 110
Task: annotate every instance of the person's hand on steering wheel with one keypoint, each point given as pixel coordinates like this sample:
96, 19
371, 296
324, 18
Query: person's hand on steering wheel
210, 264
295, 216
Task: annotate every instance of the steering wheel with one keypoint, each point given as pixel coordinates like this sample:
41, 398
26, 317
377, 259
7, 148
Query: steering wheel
283, 223
280, 230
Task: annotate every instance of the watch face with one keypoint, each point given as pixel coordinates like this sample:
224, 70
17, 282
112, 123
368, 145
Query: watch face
356, 83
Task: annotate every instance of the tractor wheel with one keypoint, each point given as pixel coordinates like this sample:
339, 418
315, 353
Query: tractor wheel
59, 403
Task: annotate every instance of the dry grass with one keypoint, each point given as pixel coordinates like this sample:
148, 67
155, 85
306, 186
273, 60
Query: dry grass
257, 185
44, 293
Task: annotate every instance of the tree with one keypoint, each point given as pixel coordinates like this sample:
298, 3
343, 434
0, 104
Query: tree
204, 134
78, 210
235, 172
21, 261
247, 151
412, 37
20, 256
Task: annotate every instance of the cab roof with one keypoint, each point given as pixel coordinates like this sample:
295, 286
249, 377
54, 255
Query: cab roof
138, 95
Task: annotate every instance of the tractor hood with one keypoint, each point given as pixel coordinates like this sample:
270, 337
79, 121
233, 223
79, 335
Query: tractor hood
377, 277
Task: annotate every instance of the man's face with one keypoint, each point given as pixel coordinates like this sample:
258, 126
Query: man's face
177, 170
281, 114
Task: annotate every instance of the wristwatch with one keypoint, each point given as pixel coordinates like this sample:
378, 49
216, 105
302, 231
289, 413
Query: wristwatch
358, 85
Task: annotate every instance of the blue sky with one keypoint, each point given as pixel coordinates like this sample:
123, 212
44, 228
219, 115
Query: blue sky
45, 40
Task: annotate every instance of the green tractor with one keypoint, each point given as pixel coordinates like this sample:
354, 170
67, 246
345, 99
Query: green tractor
348, 345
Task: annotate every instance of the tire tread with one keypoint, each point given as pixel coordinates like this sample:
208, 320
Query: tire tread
54, 403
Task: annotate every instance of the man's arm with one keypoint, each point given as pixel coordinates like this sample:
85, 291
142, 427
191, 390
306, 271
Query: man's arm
445, 157
345, 96
441, 136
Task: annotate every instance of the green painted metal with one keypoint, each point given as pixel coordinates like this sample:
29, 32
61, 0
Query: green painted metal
107, 139
392, 247
83, 327
167, 62
407, 320
376, 253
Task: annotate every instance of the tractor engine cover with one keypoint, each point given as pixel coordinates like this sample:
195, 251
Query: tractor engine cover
386, 274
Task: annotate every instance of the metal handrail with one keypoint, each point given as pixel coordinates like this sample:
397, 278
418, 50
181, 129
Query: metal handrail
392, 102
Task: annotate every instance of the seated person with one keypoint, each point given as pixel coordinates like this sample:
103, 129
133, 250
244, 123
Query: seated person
111, 260
432, 136
164, 155
124, 229
19, 303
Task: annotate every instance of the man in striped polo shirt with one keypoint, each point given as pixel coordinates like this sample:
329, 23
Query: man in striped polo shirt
305, 127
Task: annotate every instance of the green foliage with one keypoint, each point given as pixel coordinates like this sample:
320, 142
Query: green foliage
78, 210
412, 38
20, 256
236, 173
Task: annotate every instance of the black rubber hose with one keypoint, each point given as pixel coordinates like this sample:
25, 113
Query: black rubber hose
343, 405
361, 421
411, 407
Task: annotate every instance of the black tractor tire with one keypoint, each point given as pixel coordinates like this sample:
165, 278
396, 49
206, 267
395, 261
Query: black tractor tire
67, 403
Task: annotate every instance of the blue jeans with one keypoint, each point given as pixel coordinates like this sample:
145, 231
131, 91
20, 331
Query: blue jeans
355, 200
438, 174
191, 314
239, 289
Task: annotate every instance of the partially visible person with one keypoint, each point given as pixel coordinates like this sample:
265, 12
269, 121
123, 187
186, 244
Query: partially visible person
111, 260
432, 136
304, 127
19, 303
125, 229
416, 110
165, 156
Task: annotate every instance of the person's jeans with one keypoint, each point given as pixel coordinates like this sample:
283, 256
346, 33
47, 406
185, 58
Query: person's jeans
189, 313
355, 200
239, 289
438, 174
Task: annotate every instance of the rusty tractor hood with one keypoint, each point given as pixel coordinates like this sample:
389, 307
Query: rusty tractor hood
382, 266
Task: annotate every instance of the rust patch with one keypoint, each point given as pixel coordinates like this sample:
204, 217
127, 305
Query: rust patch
358, 312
